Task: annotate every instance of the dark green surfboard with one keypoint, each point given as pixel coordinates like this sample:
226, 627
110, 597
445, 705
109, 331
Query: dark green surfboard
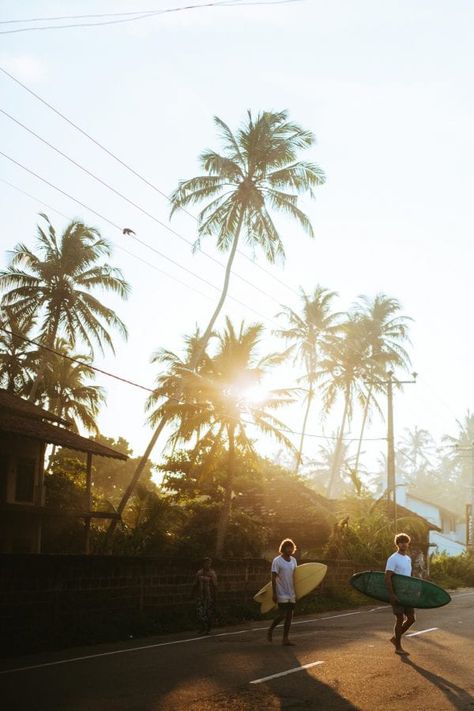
412, 592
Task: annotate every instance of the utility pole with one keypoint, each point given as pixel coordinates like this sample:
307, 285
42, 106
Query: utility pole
391, 474
469, 507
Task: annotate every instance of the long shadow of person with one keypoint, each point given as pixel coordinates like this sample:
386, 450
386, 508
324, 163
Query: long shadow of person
459, 698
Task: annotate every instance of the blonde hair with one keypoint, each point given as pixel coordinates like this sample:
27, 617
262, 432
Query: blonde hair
284, 543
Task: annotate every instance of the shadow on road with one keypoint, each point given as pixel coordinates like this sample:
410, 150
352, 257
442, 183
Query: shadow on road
459, 698
296, 691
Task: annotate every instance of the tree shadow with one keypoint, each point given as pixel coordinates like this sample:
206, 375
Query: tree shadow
459, 698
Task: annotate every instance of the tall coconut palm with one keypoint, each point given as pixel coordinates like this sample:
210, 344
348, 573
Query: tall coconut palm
220, 403
256, 173
344, 370
386, 333
57, 282
66, 389
310, 331
417, 449
17, 358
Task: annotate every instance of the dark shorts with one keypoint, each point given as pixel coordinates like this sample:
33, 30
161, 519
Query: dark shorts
401, 610
286, 605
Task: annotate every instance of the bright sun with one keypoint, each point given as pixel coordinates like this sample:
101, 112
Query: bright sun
254, 395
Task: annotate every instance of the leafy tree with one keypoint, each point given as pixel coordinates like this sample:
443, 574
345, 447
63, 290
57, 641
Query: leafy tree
386, 332
56, 285
364, 531
64, 388
344, 371
257, 172
310, 331
17, 358
219, 404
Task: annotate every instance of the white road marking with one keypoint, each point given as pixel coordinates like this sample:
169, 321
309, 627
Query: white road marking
284, 673
176, 641
414, 634
462, 595
332, 617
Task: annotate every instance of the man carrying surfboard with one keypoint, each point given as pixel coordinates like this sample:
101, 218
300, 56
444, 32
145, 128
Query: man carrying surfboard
283, 588
399, 563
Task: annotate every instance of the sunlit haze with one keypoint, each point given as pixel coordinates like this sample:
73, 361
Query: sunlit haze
386, 88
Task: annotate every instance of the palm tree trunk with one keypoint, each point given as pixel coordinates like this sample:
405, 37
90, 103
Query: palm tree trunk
338, 451
49, 343
195, 361
299, 456
224, 518
364, 422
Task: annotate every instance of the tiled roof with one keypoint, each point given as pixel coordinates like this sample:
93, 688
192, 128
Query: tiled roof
16, 404
52, 434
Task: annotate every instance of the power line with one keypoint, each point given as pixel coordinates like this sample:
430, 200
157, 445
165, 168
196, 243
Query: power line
110, 222
131, 202
130, 169
151, 390
142, 16
118, 246
76, 360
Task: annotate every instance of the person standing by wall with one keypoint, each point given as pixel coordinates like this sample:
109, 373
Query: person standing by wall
205, 590
283, 585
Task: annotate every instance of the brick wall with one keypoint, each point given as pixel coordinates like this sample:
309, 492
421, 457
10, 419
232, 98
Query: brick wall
86, 598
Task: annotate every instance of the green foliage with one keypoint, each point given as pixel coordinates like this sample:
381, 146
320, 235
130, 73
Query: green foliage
258, 172
364, 533
56, 282
453, 571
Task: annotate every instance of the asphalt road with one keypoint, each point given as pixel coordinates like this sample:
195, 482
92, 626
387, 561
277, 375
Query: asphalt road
341, 661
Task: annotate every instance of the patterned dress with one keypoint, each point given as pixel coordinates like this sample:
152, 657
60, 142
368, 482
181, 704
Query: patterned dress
206, 582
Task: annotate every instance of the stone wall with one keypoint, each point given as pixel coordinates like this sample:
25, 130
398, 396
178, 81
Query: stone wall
86, 598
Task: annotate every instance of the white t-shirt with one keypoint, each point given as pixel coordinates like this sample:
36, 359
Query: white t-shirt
398, 563
285, 588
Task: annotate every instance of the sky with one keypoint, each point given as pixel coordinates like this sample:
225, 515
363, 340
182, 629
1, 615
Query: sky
386, 88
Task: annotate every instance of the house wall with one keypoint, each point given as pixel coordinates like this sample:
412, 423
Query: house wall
20, 531
49, 599
443, 544
428, 511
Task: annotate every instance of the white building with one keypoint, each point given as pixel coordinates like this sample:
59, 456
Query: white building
452, 537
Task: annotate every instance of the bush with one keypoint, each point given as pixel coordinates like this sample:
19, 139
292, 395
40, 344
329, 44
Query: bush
453, 571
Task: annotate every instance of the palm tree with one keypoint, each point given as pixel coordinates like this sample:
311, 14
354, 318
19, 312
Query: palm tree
416, 448
17, 359
220, 403
66, 390
343, 371
256, 173
56, 285
310, 331
385, 331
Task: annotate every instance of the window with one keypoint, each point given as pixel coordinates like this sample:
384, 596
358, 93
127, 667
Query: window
25, 479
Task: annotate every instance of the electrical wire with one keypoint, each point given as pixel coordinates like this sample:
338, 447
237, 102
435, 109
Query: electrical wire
145, 15
116, 245
131, 170
113, 224
131, 202
151, 390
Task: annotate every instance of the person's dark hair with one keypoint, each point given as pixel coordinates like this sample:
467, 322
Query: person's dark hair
402, 538
284, 542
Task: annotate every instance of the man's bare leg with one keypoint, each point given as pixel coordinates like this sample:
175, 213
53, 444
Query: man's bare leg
286, 628
410, 620
275, 622
396, 640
